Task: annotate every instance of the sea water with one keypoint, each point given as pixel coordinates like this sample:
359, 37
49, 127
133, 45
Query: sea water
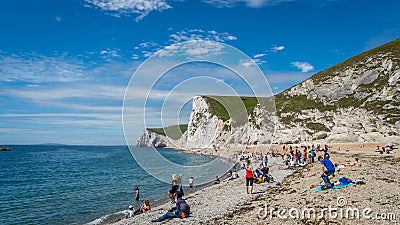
43, 184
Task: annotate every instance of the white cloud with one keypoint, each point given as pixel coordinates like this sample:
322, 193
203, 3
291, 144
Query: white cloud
259, 55
126, 7
248, 3
303, 66
58, 19
32, 68
198, 34
277, 48
146, 49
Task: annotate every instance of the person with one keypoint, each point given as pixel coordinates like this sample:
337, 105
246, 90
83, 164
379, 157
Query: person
265, 161
174, 188
191, 180
355, 163
130, 213
234, 176
175, 212
249, 177
216, 180
137, 193
144, 208
305, 155
179, 182
312, 155
328, 169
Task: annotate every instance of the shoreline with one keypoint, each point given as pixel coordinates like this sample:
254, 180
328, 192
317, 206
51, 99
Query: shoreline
233, 204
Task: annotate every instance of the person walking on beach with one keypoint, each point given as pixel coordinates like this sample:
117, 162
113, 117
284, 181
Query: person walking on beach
191, 180
137, 193
249, 177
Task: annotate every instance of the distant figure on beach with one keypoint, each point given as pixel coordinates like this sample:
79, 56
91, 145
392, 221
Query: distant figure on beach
130, 213
249, 177
327, 168
181, 210
191, 180
265, 161
179, 182
312, 155
356, 163
137, 193
216, 180
144, 208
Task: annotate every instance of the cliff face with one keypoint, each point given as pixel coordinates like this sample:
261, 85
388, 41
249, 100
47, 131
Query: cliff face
354, 101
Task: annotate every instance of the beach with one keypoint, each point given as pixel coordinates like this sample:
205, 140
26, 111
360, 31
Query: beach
228, 203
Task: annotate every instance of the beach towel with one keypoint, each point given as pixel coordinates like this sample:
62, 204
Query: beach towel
319, 189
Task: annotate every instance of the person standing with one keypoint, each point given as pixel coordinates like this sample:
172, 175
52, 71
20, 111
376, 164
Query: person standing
191, 180
179, 181
249, 177
265, 161
137, 193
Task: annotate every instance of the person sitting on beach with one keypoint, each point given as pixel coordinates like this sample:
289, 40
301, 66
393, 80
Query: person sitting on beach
181, 210
229, 174
216, 180
234, 176
144, 208
356, 163
130, 213
328, 169
259, 177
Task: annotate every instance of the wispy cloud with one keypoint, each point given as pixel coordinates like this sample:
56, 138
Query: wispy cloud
259, 55
126, 7
303, 66
210, 47
33, 68
248, 3
277, 48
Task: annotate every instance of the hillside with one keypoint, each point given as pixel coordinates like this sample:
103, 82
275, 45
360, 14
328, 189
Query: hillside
354, 101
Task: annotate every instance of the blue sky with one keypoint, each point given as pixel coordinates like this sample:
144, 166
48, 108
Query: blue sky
65, 64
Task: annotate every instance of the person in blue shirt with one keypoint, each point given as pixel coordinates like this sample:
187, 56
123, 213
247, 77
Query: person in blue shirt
328, 169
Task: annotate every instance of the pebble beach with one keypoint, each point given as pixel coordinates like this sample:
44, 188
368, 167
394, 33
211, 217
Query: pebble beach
228, 203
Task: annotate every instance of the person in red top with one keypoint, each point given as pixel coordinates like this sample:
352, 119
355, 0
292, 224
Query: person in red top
249, 177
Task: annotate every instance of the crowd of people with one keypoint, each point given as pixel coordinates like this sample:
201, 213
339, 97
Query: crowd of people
256, 169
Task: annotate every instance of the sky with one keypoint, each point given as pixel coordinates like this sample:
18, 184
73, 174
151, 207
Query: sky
65, 65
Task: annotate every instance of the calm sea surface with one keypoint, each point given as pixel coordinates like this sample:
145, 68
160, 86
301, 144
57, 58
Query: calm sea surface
42, 184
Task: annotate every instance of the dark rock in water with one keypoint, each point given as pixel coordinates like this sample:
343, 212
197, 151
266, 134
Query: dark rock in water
4, 149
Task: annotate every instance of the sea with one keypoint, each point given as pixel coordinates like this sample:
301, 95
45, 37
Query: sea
62, 184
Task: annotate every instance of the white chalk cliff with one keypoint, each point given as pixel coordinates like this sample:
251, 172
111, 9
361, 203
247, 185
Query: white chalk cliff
355, 101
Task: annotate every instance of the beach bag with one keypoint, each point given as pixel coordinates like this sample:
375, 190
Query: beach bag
185, 209
344, 181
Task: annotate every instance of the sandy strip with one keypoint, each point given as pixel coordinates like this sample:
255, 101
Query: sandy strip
228, 203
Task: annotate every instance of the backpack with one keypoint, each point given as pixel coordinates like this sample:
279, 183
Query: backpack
185, 209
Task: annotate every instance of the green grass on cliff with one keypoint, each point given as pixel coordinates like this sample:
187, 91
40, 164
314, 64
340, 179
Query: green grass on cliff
238, 107
174, 132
